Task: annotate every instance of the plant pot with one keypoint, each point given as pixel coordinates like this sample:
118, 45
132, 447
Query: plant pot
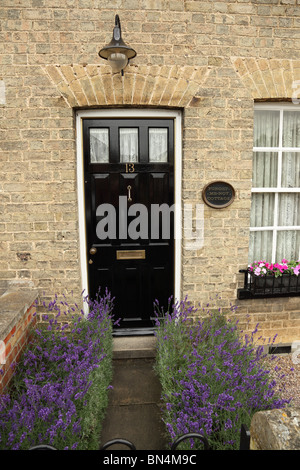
270, 284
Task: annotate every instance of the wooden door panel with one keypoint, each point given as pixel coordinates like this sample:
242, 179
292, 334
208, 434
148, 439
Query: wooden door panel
129, 188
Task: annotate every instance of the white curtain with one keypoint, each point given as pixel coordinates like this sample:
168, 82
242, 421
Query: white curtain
99, 146
129, 145
288, 243
265, 175
266, 128
260, 247
158, 145
291, 129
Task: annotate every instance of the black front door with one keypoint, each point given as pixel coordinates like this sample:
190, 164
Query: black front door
129, 196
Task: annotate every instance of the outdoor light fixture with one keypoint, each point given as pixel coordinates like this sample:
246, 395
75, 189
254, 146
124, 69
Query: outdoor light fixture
117, 52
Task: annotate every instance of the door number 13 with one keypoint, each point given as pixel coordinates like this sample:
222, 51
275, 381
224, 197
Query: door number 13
129, 168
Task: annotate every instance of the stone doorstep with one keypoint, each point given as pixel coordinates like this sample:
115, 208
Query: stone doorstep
134, 347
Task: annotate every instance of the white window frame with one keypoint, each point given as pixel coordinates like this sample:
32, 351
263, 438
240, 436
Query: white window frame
176, 115
277, 190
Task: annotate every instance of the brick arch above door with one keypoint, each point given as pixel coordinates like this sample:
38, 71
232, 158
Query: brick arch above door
95, 85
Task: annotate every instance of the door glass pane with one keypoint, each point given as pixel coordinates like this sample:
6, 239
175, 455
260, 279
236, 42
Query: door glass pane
129, 145
266, 128
290, 175
291, 129
99, 146
262, 210
260, 247
265, 169
158, 145
288, 244
289, 209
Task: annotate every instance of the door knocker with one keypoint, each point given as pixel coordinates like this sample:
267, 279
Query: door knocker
129, 193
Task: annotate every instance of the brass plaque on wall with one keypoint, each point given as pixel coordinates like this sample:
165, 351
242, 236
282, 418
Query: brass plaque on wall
131, 254
218, 194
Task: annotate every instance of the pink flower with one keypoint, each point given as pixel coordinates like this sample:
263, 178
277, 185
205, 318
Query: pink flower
297, 269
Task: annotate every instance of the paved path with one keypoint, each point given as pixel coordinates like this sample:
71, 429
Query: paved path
134, 403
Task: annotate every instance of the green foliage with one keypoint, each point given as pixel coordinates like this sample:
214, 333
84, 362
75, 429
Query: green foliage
213, 379
59, 393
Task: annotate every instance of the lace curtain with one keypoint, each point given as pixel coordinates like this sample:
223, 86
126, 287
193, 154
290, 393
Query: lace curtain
129, 145
99, 146
275, 169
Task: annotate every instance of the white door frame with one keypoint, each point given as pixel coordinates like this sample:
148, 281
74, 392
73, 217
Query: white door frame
131, 113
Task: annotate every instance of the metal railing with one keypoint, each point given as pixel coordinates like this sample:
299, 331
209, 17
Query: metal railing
244, 441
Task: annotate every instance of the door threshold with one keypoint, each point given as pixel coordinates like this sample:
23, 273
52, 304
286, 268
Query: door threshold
133, 331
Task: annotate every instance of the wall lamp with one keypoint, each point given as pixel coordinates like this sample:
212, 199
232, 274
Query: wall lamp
117, 53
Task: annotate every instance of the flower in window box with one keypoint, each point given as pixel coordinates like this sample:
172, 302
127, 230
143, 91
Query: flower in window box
267, 278
263, 268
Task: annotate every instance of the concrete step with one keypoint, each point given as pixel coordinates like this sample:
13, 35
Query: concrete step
134, 347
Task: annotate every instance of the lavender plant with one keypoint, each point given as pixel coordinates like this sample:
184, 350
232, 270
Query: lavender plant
59, 393
213, 379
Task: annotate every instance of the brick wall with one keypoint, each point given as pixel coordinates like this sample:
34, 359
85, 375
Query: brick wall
210, 59
17, 318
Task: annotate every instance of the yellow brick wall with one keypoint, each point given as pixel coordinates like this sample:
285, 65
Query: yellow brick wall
210, 59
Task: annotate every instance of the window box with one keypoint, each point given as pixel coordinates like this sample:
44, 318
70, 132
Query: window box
286, 285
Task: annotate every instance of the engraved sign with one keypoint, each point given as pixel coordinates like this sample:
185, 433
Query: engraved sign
218, 194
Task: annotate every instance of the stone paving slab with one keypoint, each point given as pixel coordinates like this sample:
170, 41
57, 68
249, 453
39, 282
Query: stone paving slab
134, 411
139, 424
135, 382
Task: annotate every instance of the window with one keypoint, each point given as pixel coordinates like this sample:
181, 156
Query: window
158, 145
129, 144
99, 146
275, 209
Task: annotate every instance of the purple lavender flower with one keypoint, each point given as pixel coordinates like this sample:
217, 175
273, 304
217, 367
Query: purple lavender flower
212, 378
55, 377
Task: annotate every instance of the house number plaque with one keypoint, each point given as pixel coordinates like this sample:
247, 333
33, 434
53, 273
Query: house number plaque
218, 194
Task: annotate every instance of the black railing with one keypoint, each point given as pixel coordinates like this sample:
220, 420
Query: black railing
193, 436
123, 442
244, 438
244, 442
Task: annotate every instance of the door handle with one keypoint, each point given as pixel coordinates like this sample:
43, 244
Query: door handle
129, 193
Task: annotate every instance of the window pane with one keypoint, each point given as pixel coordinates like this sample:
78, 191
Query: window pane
266, 128
129, 145
265, 169
291, 129
260, 247
289, 209
262, 210
290, 174
158, 145
99, 146
288, 244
